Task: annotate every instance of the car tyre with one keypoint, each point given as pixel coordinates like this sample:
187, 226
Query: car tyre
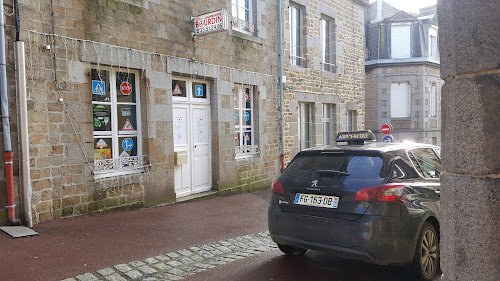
292, 250
426, 258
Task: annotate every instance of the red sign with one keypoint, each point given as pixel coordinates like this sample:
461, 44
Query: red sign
126, 88
236, 137
207, 23
386, 129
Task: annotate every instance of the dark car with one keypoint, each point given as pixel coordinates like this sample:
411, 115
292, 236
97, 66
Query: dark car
371, 201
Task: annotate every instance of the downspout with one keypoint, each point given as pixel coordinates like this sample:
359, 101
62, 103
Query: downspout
4, 99
22, 121
280, 30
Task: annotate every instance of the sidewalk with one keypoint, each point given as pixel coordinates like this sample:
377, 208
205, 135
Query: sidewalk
70, 247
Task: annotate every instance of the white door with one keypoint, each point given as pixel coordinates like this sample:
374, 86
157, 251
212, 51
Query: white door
181, 143
192, 135
201, 148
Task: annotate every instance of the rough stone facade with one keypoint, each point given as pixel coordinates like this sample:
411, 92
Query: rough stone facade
154, 39
342, 88
420, 127
419, 70
470, 188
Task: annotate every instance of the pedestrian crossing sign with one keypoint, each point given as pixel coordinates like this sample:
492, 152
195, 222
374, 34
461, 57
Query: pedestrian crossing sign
98, 87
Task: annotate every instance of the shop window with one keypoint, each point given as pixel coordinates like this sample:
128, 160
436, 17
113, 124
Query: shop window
244, 130
116, 121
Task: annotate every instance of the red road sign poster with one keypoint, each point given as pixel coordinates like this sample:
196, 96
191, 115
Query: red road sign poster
386, 129
126, 88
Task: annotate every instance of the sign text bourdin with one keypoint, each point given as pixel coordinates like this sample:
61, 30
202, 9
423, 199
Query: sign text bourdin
211, 22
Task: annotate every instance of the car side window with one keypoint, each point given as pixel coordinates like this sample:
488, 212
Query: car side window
403, 169
426, 161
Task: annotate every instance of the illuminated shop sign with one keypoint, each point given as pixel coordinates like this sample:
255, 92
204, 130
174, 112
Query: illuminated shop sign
211, 22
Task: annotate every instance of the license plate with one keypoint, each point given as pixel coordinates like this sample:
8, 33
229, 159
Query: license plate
316, 200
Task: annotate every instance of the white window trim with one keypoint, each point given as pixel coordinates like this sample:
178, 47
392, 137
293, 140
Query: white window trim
433, 32
351, 120
238, 19
115, 162
241, 150
433, 101
409, 40
323, 38
302, 135
408, 101
327, 122
298, 58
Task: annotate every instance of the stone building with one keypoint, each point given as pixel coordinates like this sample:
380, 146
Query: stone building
324, 68
403, 84
126, 109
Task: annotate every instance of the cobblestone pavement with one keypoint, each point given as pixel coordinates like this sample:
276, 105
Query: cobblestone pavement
186, 262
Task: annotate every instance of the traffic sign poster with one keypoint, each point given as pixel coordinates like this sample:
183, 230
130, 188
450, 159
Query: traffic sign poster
128, 144
199, 90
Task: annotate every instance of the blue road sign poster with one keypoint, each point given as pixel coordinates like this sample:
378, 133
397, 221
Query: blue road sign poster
198, 90
127, 144
388, 138
98, 87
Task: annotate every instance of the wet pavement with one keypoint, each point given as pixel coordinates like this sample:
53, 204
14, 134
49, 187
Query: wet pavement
67, 248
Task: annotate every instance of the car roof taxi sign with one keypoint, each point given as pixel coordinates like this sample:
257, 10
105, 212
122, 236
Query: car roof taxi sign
357, 137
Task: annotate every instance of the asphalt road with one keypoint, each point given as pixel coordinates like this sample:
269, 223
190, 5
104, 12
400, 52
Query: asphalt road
317, 266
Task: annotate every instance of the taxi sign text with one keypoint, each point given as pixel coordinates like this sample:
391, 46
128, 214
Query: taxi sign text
211, 22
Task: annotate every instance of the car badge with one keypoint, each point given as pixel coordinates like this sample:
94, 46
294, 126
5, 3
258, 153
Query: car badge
314, 183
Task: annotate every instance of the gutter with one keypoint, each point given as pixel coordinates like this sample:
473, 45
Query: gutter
280, 31
4, 99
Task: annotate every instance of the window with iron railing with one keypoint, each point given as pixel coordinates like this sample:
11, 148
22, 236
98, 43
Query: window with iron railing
242, 12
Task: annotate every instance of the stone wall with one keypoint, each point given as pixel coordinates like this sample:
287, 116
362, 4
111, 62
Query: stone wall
154, 38
470, 192
344, 87
420, 126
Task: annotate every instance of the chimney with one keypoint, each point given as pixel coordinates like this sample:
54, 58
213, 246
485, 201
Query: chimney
379, 10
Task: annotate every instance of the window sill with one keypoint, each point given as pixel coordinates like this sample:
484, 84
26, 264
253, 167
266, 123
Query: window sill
247, 36
247, 156
118, 173
328, 74
298, 68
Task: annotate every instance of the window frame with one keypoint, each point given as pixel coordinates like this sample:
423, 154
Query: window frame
296, 43
329, 122
111, 167
433, 100
351, 120
236, 7
408, 100
328, 56
433, 44
243, 149
407, 51
305, 122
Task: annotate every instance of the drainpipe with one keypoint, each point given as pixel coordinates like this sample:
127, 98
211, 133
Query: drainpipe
4, 99
280, 30
24, 162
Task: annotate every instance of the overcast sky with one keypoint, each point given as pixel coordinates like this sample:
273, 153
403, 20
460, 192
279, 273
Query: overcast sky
409, 5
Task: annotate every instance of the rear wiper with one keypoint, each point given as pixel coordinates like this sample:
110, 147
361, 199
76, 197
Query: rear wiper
332, 172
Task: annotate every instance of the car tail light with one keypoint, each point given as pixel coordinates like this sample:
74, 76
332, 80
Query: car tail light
276, 187
382, 193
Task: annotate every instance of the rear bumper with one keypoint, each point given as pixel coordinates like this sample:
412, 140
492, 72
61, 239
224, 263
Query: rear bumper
373, 239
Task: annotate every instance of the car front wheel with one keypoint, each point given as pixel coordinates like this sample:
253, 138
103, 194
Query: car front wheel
291, 250
426, 259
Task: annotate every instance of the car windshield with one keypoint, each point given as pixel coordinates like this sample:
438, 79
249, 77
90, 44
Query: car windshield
325, 165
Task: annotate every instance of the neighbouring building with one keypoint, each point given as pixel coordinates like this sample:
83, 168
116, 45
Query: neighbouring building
324, 69
403, 84
126, 108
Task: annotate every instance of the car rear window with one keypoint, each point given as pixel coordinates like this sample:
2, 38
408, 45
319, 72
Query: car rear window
356, 166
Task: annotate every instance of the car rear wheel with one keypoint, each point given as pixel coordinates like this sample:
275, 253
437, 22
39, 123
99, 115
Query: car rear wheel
426, 259
291, 250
